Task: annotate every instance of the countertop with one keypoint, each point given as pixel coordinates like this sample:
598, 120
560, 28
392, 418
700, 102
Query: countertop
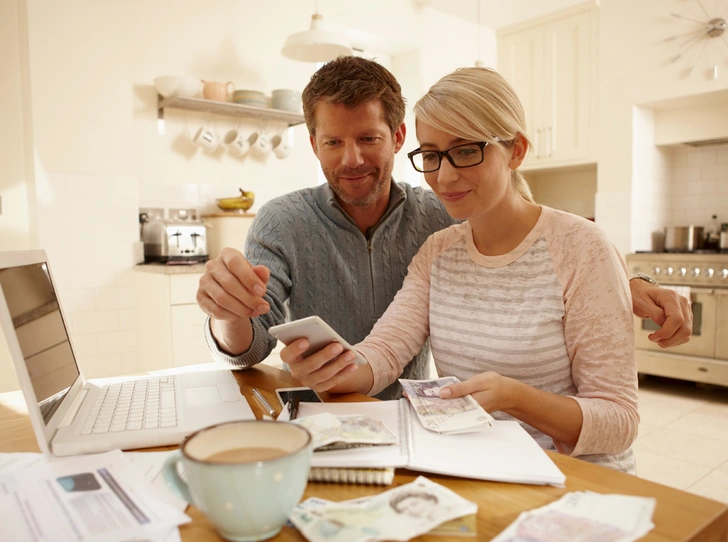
164, 269
229, 214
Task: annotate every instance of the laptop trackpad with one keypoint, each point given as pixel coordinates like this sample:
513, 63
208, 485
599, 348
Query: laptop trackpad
202, 395
211, 395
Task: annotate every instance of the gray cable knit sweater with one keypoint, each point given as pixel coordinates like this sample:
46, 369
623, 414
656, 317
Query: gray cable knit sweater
322, 264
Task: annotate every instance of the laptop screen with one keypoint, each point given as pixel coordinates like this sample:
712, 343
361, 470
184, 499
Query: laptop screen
41, 333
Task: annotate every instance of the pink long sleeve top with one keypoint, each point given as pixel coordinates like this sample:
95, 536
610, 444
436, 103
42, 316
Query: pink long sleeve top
554, 313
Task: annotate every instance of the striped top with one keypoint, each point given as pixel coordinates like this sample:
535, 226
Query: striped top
554, 313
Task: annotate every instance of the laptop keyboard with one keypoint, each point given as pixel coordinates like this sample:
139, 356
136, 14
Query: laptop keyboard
134, 405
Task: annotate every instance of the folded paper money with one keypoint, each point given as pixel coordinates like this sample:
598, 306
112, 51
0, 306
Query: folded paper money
401, 513
447, 416
332, 432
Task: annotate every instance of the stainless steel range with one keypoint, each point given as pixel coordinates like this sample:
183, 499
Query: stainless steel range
705, 357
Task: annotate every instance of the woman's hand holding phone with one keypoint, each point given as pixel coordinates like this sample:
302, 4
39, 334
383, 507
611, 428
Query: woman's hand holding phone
319, 363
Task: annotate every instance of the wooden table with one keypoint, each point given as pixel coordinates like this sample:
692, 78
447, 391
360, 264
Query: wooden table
678, 515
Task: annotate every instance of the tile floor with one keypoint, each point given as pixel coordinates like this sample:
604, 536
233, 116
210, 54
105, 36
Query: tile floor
683, 436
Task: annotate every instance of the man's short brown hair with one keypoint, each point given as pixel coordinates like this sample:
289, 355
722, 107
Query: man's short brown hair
352, 81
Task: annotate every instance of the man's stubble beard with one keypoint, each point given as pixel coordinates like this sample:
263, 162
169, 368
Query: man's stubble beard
383, 178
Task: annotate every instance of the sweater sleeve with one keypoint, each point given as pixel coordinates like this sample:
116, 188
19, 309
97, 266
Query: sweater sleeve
599, 333
265, 245
405, 326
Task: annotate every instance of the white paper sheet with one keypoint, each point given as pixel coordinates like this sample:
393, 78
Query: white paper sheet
88, 498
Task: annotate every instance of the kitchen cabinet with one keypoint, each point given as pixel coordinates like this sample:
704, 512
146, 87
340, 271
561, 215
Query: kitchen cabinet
721, 321
170, 321
226, 229
227, 108
552, 64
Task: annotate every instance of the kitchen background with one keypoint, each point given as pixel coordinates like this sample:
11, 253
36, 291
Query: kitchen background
81, 147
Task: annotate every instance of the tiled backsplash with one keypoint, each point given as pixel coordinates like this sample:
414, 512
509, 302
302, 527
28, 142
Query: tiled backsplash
88, 225
699, 186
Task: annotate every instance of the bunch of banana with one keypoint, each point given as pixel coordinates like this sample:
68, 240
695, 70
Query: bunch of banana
240, 203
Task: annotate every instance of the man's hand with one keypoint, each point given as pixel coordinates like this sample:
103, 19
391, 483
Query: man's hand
231, 292
666, 308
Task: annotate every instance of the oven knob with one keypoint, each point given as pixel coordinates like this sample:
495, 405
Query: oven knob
696, 271
669, 271
709, 272
656, 270
724, 274
682, 271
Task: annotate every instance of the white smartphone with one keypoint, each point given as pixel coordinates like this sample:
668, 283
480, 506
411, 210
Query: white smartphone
316, 331
305, 395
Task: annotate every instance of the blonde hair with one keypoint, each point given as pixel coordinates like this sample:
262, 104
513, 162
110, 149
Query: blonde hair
476, 104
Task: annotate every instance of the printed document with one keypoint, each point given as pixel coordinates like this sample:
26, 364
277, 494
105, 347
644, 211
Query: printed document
95, 497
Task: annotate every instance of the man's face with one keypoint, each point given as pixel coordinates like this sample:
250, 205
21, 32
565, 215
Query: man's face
356, 149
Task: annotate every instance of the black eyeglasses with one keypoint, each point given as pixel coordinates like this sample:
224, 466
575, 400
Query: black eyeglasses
460, 156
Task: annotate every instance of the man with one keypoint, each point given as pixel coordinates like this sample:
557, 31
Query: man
341, 250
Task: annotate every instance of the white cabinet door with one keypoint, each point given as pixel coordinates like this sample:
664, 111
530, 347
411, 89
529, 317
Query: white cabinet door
568, 93
170, 321
188, 340
721, 324
520, 61
552, 66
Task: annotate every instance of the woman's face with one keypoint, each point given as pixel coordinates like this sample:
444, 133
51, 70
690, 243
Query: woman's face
468, 192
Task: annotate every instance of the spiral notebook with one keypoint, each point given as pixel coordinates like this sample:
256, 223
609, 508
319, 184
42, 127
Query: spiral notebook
503, 453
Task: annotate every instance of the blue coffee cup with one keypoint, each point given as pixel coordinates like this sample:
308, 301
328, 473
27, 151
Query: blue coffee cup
246, 476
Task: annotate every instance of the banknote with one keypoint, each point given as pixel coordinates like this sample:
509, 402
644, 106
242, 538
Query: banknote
331, 432
584, 515
459, 415
463, 526
401, 513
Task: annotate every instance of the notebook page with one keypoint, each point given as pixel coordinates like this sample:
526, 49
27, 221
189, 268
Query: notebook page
503, 453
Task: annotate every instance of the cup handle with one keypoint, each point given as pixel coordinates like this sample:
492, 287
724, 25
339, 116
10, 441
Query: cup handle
230, 87
173, 479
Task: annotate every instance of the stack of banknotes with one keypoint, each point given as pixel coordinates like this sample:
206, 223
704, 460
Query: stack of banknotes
448, 416
584, 515
401, 513
331, 432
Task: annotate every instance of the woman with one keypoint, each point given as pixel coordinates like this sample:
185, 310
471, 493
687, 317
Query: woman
528, 306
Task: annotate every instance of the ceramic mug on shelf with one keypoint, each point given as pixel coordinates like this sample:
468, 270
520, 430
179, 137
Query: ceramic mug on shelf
259, 144
236, 142
246, 476
221, 92
206, 137
280, 146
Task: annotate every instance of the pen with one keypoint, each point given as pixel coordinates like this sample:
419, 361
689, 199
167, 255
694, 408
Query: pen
293, 408
265, 404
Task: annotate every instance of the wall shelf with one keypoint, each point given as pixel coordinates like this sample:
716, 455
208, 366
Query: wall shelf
227, 108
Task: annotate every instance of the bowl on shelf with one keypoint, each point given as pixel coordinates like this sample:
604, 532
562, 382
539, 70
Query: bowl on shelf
286, 100
239, 204
178, 85
249, 97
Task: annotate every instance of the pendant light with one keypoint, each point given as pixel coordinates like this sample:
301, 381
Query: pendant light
478, 63
317, 44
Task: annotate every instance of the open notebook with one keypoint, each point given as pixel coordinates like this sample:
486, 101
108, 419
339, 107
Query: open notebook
503, 453
71, 415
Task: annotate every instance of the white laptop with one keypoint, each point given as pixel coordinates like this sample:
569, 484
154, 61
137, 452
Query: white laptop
68, 412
